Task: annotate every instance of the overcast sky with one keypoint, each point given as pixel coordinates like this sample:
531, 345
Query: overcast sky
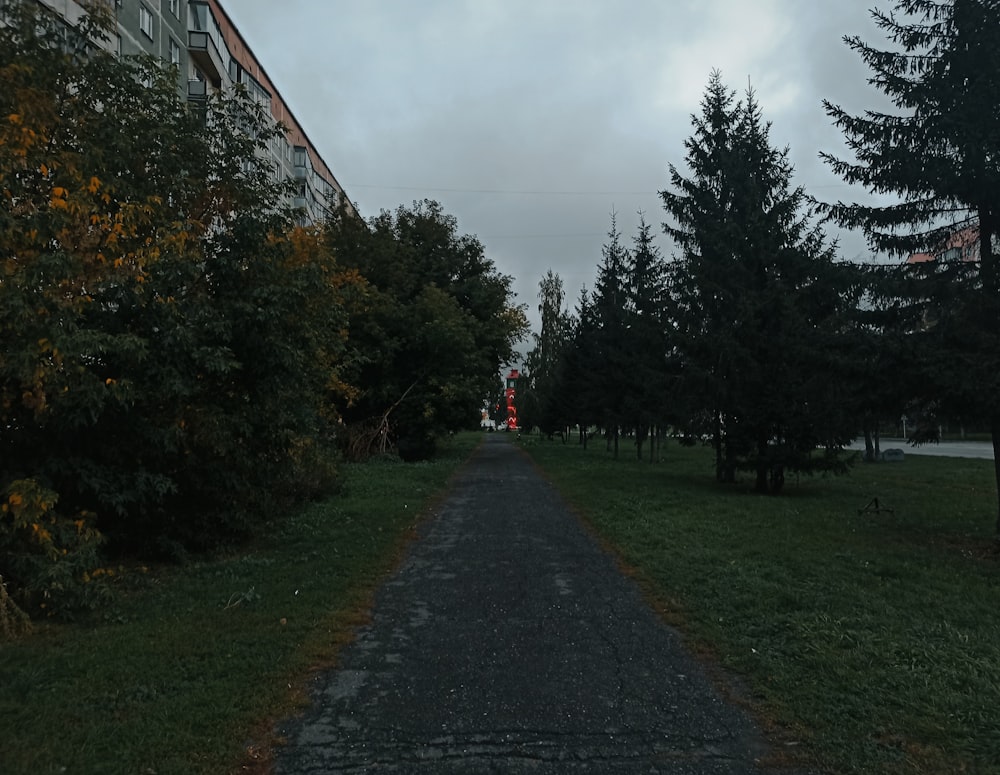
531, 121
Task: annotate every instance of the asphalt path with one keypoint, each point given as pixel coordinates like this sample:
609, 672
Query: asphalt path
969, 449
509, 642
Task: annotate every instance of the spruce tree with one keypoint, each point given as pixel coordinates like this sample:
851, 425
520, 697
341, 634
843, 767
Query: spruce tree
545, 407
612, 343
577, 384
648, 308
938, 152
753, 297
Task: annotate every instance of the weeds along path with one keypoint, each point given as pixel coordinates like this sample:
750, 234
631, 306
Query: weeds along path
509, 642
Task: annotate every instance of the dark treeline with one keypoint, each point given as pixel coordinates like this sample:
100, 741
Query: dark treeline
754, 336
181, 359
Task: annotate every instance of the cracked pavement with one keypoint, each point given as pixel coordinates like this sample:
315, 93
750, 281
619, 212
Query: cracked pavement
509, 642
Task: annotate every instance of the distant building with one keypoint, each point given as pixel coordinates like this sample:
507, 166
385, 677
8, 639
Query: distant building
962, 245
201, 40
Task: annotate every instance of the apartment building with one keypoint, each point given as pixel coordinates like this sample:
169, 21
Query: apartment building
201, 40
961, 245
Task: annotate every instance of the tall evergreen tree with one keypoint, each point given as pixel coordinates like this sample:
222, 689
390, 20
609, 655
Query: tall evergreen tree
648, 307
544, 406
939, 152
754, 296
581, 392
612, 361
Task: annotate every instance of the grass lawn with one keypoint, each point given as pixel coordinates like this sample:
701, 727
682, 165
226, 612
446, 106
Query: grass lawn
185, 672
869, 642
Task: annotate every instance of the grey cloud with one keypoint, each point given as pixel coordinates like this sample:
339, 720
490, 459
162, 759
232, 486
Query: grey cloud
531, 121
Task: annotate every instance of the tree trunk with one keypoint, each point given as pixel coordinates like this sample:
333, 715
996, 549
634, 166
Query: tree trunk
763, 467
991, 285
761, 484
728, 464
640, 438
777, 479
717, 440
995, 433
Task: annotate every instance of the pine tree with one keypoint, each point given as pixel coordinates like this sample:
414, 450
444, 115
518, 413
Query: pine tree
753, 297
612, 361
939, 153
544, 406
648, 308
582, 394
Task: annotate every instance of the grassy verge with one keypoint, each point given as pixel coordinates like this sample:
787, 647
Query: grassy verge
183, 675
872, 639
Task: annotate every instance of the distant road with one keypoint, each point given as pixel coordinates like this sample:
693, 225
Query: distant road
975, 449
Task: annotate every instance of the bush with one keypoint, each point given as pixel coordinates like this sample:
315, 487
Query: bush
416, 447
13, 621
51, 560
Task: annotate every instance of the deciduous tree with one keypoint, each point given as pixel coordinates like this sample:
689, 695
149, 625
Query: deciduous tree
167, 337
430, 331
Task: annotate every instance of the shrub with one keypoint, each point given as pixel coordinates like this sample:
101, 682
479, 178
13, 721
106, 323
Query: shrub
51, 560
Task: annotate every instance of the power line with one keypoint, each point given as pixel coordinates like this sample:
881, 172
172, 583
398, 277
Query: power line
542, 192
544, 236
516, 192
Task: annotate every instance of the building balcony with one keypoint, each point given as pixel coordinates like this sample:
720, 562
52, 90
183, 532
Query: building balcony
197, 91
202, 49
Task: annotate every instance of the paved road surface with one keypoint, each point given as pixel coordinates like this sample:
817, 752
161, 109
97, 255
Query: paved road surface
508, 642
973, 449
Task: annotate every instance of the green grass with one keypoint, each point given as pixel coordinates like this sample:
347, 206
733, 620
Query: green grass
186, 673
869, 641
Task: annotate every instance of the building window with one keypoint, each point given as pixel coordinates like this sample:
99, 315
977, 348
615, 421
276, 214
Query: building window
175, 8
175, 52
146, 22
